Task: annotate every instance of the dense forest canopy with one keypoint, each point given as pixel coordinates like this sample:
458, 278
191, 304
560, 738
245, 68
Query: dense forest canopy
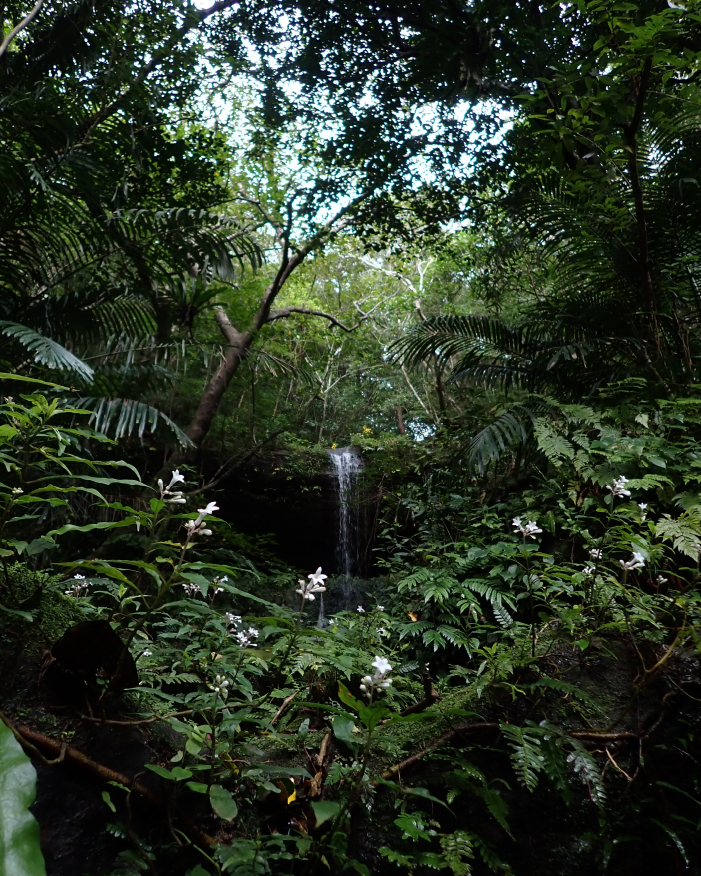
408, 289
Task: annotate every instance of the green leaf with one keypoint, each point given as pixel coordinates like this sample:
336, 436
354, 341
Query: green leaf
25, 615
108, 800
39, 545
344, 729
20, 853
324, 810
347, 698
174, 775
223, 803
5, 376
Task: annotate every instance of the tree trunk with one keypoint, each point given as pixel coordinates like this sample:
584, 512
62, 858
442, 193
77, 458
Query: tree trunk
237, 345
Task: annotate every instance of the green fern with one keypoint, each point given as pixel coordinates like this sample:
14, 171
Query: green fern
684, 532
526, 754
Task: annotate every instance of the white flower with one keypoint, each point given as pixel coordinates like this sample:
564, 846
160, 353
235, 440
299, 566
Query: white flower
661, 580
175, 478
381, 631
307, 589
17, 491
637, 562
588, 570
77, 589
380, 608
596, 553
382, 665
642, 506
220, 686
79, 577
317, 578
360, 609
191, 589
175, 496
146, 653
195, 527
378, 680
528, 530
244, 637
618, 487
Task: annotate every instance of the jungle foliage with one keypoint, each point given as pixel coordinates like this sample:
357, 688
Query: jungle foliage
461, 237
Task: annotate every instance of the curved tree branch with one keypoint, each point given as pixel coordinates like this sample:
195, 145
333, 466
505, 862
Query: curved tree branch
27, 20
288, 311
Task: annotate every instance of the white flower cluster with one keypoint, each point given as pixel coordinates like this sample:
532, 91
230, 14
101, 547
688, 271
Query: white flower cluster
637, 562
191, 589
315, 584
197, 527
243, 637
588, 570
78, 588
596, 553
527, 530
216, 581
174, 497
220, 686
377, 681
618, 488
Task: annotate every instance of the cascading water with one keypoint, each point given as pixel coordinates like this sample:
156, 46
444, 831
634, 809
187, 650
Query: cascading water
347, 463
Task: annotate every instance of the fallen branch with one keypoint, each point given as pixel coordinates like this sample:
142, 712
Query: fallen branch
285, 704
142, 721
588, 735
31, 740
409, 762
431, 696
320, 775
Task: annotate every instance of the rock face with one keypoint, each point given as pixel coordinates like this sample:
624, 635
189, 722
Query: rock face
297, 497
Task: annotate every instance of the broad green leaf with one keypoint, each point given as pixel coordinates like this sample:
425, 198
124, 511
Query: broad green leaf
223, 803
20, 853
347, 698
344, 729
324, 810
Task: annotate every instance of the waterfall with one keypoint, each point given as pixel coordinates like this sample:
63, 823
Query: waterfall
347, 463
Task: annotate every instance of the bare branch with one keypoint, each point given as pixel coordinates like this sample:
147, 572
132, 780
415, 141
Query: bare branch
288, 311
27, 20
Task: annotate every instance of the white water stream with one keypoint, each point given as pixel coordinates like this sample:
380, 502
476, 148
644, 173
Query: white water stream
347, 463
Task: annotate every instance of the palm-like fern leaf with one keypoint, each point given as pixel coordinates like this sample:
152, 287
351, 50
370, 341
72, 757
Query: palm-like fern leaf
46, 351
122, 417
